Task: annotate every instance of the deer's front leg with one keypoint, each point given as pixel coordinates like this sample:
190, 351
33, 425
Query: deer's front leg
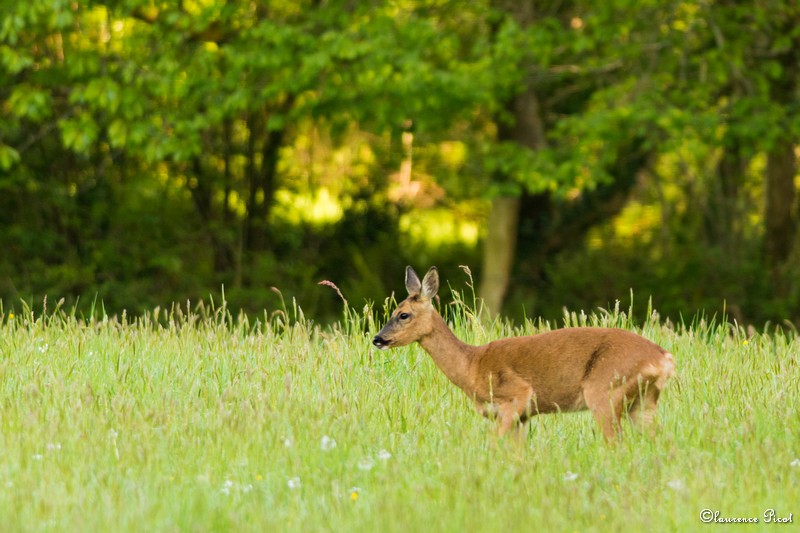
516, 410
486, 408
510, 417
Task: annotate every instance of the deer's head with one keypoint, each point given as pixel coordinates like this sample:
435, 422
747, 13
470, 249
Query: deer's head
412, 319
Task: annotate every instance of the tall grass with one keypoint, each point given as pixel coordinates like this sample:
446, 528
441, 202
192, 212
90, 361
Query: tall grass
192, 419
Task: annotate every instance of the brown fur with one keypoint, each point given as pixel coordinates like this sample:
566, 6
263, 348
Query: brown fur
611, 372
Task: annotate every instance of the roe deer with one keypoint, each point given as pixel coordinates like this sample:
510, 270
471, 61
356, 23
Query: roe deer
611, 372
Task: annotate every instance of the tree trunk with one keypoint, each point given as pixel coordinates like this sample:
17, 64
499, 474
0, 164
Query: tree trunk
262, 180
779, 218
723, 214
261, 194
203, 199
527, 130
780, 222
254, 125
501, 238
498, 254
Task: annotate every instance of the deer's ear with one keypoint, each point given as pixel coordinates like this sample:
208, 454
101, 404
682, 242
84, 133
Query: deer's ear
413, 286
430, 284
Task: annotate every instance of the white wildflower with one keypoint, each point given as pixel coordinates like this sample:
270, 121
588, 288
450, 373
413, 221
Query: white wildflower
294, 483
795, 463
365, 464
676, 484
384, 455
327, 443
570, 476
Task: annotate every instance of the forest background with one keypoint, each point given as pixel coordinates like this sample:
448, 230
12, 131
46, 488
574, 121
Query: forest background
571, 153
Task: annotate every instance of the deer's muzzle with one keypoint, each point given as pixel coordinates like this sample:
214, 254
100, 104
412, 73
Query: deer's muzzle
380, 342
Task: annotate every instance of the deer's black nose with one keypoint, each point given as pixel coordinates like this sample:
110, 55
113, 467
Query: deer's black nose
379, 341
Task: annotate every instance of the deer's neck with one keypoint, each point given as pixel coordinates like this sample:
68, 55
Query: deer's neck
452, 356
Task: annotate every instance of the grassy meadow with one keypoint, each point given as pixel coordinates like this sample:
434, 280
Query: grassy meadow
194, 420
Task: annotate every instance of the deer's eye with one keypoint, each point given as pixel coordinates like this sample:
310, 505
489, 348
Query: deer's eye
404, 316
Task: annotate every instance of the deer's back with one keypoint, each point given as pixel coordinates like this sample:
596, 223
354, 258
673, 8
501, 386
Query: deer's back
557, 363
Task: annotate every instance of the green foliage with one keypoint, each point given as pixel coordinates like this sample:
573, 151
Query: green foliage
156, 151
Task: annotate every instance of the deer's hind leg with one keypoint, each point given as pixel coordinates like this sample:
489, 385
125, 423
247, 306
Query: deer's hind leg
642, 406
635, 395
607, 403
651, 381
